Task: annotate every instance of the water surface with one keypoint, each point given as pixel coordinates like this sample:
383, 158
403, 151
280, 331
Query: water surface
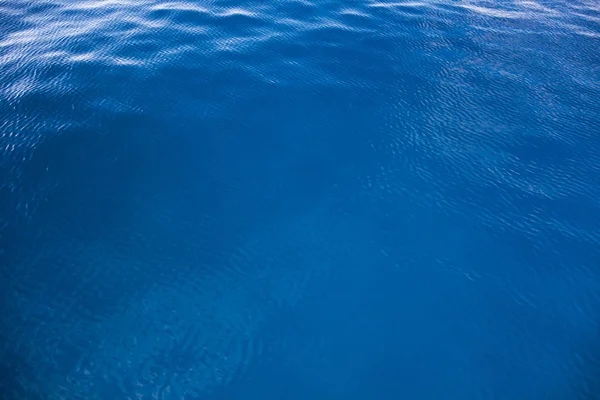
299, 200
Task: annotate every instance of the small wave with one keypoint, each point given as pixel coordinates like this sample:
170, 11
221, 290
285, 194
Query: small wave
407, 4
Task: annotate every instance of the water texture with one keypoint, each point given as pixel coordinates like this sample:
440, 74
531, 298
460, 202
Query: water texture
299, 200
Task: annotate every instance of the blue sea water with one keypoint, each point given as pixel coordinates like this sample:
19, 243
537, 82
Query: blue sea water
299, 199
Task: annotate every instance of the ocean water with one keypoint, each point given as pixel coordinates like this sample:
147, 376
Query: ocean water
299, 199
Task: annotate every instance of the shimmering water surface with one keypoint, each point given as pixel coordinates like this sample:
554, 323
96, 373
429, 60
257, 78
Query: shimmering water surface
299, 199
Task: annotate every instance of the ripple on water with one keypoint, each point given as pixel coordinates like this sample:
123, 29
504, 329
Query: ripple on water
170, 327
